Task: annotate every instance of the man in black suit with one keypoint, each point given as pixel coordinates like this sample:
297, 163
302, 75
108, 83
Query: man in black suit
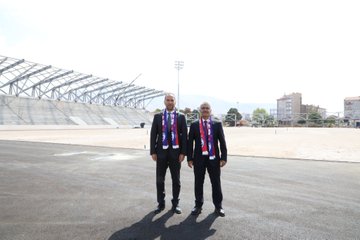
168, 142
205, 155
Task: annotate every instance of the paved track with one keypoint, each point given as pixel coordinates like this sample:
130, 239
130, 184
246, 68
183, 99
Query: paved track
55, 191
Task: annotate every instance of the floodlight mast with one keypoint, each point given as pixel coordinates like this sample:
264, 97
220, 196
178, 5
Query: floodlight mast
179, 65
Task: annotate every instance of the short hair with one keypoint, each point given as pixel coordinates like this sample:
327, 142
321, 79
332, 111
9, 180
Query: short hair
169, 94
205, 103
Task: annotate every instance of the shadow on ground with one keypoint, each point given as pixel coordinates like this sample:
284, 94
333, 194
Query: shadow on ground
148, 228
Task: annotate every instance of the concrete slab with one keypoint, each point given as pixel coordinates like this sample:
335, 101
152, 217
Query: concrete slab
57, 191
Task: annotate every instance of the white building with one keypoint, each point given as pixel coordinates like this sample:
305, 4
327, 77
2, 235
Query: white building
352, 110
288, 107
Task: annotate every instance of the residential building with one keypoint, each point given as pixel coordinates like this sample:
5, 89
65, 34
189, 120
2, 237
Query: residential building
352, 110
288, 108
309, 108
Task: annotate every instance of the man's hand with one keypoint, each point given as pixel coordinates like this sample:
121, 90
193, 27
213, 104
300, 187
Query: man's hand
190, 164
181, 158
222, 163
154, 157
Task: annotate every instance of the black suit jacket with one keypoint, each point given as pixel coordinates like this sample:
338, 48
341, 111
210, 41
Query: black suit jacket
194, 154
156, 137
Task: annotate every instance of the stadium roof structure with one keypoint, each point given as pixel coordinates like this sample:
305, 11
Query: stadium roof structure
23, 78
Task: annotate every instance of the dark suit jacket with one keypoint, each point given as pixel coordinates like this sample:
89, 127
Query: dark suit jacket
194, 154
156, 137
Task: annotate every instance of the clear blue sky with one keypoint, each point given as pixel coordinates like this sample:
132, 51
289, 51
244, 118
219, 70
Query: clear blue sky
238, 51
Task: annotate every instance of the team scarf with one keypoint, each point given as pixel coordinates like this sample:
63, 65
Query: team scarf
207, 150
174, 130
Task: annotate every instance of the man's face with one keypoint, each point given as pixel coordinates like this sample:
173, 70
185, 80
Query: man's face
205, 111
169, 103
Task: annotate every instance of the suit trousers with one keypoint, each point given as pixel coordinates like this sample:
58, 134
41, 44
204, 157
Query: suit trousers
213, 168
161, 166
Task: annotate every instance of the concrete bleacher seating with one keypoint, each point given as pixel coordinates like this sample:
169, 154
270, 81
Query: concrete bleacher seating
25, 111
30, 111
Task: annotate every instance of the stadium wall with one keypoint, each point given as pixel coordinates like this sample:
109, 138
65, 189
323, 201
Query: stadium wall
29, 111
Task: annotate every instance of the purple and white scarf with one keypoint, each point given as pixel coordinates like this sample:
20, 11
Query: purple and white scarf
174, 130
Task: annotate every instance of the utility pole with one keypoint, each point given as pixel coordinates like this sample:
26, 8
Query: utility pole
179, 65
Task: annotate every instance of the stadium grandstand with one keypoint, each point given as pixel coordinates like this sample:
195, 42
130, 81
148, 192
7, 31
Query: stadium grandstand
37, 94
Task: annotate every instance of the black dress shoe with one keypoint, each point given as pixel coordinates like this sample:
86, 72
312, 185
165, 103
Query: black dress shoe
220, 212
196, 211
176, 209
159, 208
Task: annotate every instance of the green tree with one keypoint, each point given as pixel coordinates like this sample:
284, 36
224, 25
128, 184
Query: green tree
315, 117
330, 120
301, 121
260, 116
270, 121
229, 118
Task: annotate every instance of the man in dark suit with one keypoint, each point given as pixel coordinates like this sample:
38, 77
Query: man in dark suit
168, 142
205, 155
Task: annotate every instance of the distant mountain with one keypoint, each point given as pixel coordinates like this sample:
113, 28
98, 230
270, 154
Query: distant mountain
219, 106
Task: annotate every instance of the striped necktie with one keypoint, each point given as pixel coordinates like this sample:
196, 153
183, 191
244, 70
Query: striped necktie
169, 123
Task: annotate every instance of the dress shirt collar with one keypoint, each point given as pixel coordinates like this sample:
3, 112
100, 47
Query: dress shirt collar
203, 119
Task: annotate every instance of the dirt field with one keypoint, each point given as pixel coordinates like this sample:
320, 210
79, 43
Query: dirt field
335, 144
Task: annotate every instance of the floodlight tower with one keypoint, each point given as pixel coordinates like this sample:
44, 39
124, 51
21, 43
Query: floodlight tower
179, 65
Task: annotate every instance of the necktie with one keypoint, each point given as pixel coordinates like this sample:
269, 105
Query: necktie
206, 133
169, 123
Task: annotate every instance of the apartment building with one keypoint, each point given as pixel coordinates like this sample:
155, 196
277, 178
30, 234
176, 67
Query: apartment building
288, 108
309, 108
352, 110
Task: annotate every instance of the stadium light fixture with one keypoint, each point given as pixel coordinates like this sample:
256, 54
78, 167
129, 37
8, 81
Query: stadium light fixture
179, 65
